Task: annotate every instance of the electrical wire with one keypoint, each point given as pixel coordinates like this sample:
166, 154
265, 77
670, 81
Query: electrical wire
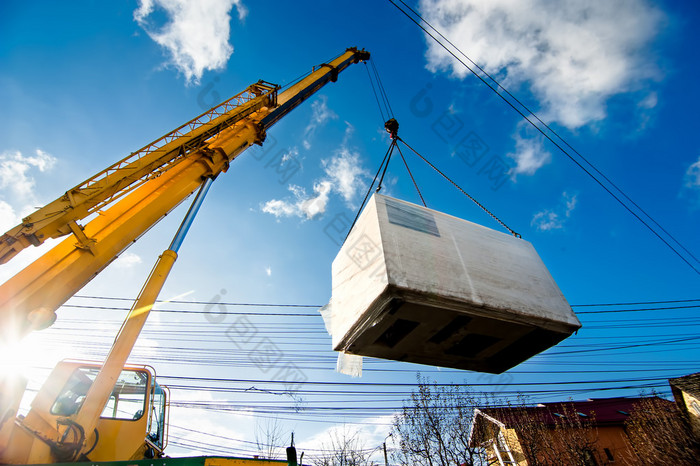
524, 114
208, 344
316, 306
374, 91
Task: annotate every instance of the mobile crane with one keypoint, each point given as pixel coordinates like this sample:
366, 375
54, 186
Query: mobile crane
111, 411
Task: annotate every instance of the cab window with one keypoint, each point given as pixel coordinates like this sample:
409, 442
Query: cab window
127, 400
156, 429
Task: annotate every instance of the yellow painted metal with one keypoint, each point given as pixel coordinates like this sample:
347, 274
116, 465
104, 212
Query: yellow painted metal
31, 439
120, 439
101, 388
241, 462
59, 217
53, 278
29, 300
11, 390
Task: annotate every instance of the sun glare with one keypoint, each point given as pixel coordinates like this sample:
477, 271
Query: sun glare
23, 358
14, 359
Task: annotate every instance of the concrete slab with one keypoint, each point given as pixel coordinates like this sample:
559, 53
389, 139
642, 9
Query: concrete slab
413, 284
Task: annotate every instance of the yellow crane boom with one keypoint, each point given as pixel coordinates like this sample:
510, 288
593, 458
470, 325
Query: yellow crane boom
76, 415
146, 185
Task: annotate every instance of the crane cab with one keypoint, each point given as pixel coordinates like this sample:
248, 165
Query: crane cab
133, 423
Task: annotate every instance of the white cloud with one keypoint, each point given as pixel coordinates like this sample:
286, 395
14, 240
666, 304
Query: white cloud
302, 205
320, 114
649, 101
316, 205
8, 217
530, 154
692, 175
196, 34
268, 271
363, 435
343, 175
573, 55
25, 257
14, 168
645, 110
194, 423
17, 184
547, 220
128, 260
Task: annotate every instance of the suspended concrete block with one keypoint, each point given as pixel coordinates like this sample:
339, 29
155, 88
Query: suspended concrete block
412, 284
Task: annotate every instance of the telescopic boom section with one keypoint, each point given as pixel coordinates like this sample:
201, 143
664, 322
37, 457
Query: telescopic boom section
59, 217
135, 193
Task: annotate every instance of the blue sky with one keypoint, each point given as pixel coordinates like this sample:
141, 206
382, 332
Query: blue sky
85, 83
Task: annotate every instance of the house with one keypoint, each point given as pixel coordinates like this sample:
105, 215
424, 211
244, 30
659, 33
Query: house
590, 432
686, 392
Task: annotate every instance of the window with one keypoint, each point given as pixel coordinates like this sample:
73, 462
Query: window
71, 398
696, 407
609, 454
588, 457
156, 428
127, 400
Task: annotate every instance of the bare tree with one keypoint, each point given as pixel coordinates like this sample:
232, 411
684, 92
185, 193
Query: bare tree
433, 428
535, 441
548, 438
344, 448
658, 434
269, 437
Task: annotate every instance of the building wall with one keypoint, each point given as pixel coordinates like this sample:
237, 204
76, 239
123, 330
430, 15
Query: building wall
615, 439
612, 438
692, 406
511, 437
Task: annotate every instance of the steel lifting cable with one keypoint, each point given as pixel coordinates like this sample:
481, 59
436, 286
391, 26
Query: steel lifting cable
369, 190
512, 232
380, 98
411, 175
383, 92
379, 91
392, 128
391, 125
392, 146
374, 91
524, 114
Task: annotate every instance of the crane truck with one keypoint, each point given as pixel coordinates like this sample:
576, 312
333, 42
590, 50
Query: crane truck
113, 411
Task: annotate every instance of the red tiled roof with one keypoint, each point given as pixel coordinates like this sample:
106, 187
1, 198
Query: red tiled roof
605, 411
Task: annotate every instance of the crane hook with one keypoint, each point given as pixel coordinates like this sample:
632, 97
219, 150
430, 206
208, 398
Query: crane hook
392, 127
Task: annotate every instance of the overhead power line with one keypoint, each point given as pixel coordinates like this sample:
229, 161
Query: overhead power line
550, 134
211, 302
681, 306
638, 303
